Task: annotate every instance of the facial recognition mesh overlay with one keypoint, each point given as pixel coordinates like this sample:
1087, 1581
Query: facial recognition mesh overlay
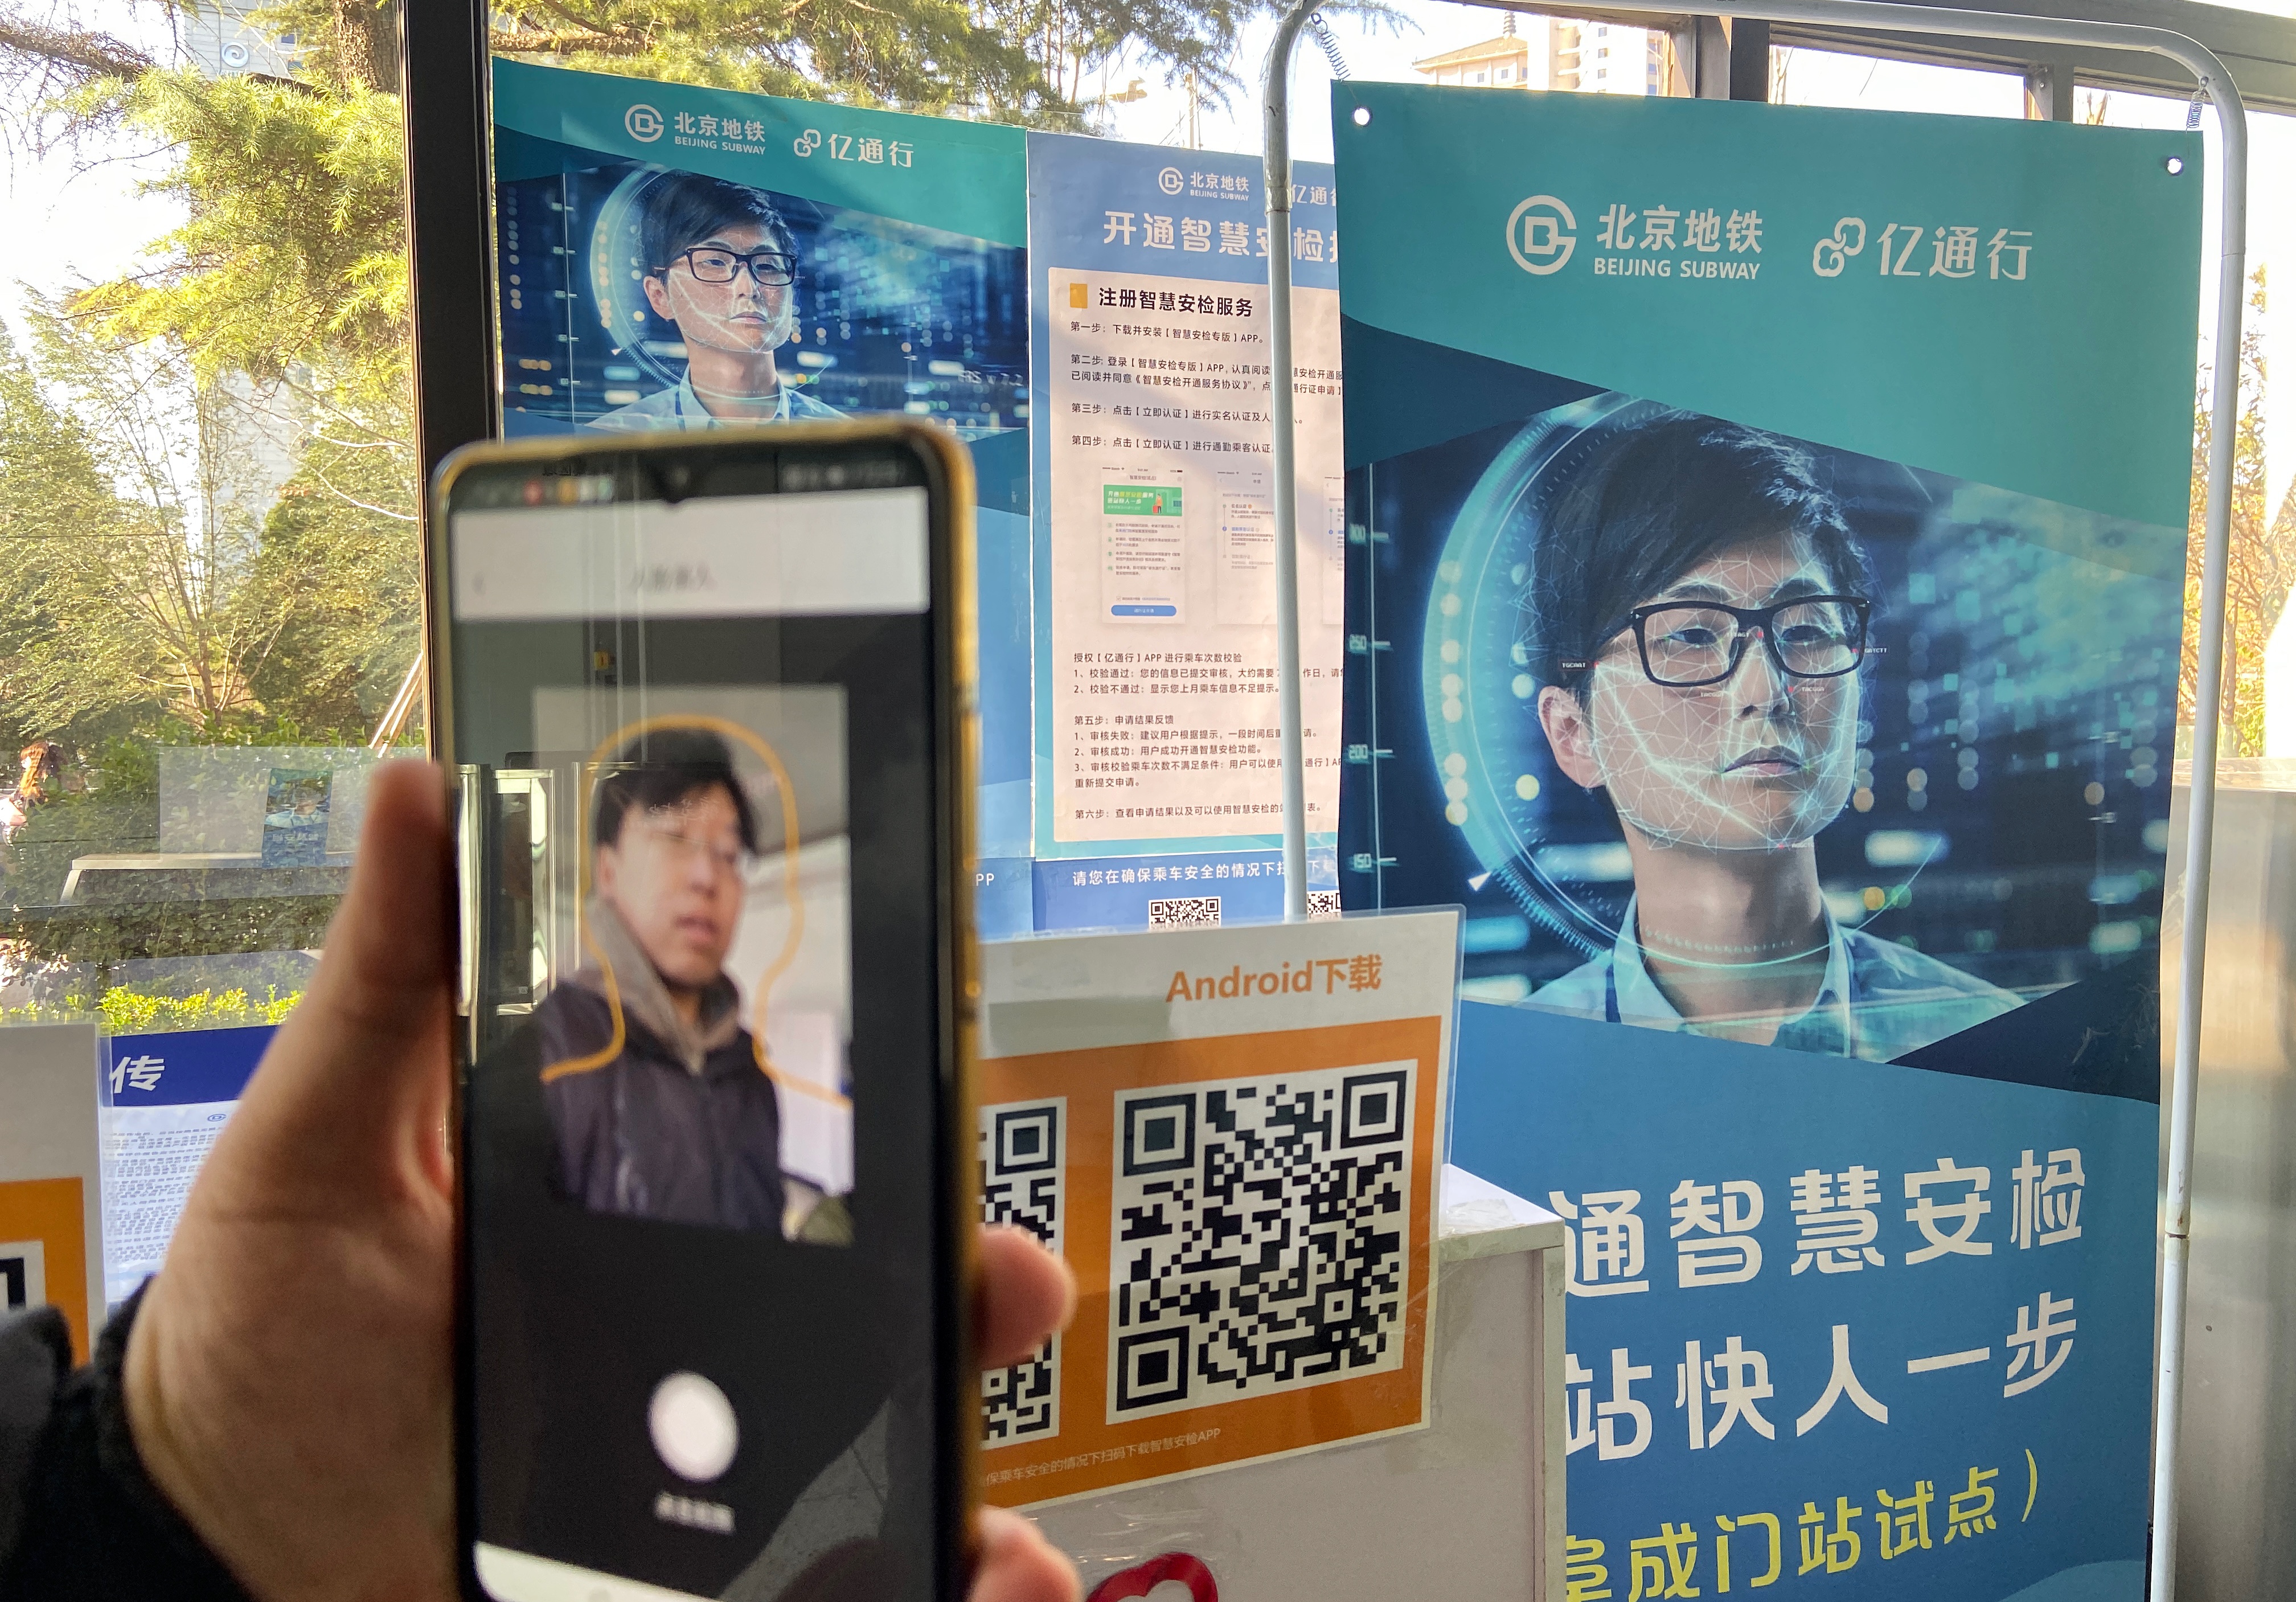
1659, 655
700, 853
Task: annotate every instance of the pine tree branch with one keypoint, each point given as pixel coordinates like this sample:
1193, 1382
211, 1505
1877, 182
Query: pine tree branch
90, 55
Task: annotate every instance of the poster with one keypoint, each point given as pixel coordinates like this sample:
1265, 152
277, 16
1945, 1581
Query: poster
1233, 1138
165, 1098
1773, 581
671, 256
1156, 734
295, 817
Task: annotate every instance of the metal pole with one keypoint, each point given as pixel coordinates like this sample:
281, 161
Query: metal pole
444, 76
1284, 475
2183, 1096
2224, 423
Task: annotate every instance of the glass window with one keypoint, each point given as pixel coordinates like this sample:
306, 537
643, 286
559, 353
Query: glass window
1822, 78
209, 608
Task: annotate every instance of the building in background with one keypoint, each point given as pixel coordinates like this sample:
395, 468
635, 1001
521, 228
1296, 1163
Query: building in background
1512, 60
1554, 53
1602, 58
223, 41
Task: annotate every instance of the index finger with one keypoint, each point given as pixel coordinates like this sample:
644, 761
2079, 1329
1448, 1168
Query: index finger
1026, 1293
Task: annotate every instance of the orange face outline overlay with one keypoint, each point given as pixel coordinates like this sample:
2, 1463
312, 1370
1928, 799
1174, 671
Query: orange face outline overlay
787, 792
1088, 1453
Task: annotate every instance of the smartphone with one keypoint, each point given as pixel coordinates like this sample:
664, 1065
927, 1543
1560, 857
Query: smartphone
707, 706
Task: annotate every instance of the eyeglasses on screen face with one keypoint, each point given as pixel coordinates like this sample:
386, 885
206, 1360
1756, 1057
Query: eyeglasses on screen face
1688, 644
710, 264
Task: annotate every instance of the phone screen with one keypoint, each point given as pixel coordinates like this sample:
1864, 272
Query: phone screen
708, 1298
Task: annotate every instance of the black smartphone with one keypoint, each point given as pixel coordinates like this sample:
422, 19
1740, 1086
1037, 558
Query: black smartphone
707, 705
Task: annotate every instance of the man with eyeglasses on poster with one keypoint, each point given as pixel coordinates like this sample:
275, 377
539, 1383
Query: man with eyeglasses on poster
721, 268
659, 1101
1695, 614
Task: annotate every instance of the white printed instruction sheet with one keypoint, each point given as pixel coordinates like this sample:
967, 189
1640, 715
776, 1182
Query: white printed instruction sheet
1163, 561
150, 1155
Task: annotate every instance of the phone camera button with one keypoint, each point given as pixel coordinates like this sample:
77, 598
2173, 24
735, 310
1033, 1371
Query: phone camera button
693, 1427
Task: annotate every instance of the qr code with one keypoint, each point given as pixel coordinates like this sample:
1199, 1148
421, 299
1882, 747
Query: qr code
1023, 1175
1258, 1235
23, 1274
1323, 903
1179, 911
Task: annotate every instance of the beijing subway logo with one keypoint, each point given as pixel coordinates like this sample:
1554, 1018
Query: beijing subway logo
1541, 234
644, 123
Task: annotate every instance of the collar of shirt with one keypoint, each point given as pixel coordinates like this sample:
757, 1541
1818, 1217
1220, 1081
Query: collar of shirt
692, 413
1826, 1026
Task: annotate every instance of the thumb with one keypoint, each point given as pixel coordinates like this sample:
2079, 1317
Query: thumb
356, 1083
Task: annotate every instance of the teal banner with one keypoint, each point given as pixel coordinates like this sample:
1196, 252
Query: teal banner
965, 177
2012, 305
1766, 544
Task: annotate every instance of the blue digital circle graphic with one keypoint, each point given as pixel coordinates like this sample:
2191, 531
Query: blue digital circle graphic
618, 267
1489, 754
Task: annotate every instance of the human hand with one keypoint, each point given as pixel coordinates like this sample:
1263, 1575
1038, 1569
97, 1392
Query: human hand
289, 1375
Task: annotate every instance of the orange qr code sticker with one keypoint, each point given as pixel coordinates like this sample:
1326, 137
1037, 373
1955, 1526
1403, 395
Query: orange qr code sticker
1249, 1220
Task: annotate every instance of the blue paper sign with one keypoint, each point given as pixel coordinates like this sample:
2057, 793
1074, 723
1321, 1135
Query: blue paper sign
182, 1067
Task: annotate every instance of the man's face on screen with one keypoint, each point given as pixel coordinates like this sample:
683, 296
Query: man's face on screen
674, 874
743, 316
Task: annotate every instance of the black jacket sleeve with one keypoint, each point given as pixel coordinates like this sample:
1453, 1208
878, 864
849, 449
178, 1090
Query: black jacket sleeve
79, 1519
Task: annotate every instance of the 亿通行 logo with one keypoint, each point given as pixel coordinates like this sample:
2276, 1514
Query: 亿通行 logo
1541, 234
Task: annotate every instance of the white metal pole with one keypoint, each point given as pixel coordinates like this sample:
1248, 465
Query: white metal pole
1283, 474
2216, 545
2208, 698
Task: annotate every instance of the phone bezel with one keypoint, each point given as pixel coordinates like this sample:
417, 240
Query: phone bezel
948, 472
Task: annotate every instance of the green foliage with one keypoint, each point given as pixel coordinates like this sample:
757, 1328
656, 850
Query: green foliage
53, 493
97, 823
124, 931
341, 568
294, 249
2260, 566
121, 1011
140, 601
924, 55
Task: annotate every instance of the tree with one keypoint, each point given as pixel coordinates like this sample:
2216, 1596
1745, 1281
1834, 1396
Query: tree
51, 492
127, 592
286, 290
2260, 568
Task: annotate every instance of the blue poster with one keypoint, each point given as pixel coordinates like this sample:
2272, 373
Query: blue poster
165, 1098
675, 257
1158, 797
1764, 615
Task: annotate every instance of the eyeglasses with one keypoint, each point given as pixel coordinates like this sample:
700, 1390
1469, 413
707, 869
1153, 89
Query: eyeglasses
685, 849
1688, 644
710, 265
